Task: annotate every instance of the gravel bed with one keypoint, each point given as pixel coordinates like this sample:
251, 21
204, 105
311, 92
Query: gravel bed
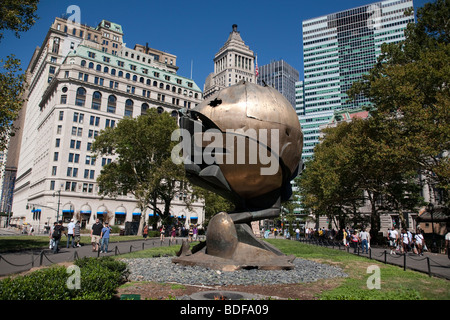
164, 270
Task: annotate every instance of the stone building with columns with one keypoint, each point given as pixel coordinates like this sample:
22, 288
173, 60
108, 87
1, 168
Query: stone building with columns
82, 80
232, 63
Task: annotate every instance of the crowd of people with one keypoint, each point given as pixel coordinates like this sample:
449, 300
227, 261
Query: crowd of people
405, 241
400, 242
100, 234
177, 231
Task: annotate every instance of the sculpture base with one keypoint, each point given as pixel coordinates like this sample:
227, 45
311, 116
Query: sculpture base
231, 247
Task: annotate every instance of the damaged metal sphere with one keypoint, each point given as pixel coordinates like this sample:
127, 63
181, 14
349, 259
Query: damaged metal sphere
261, 144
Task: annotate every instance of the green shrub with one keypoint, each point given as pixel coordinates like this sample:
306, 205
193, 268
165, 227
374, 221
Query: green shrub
99, 280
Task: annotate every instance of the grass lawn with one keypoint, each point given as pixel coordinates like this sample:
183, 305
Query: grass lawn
395, 284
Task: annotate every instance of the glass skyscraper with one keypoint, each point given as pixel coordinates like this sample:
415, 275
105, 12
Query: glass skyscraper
337, 50
281, 76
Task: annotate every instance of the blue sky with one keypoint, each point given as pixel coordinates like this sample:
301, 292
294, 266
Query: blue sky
192, 30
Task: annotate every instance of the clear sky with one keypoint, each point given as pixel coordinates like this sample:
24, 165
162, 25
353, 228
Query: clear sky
192, 30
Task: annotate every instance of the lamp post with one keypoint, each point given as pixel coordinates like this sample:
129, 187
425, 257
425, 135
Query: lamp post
433, 244
59, 197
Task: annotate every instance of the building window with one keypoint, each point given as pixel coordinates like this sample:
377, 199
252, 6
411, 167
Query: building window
96, 100
81, 97
112, 100
129, 108
55, 48
144, 108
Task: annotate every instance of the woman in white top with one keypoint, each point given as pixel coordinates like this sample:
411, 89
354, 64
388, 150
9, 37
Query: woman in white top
419, 242
405, 241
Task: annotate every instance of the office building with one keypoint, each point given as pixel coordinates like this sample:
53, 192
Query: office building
338, 49
232, 63
281, 76
82, 80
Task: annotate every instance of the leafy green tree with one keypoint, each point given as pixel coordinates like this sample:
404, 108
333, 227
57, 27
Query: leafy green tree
214, 203
16, 16
142, 166
354, 165
12, 88
409, 89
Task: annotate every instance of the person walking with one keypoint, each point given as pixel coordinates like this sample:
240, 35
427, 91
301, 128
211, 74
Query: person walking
96, 232
56, 235
77, 234
70, 228
354, 240
365, 238
393, 238
419, 242
145, 232
173, 234
106, 231
162, 232
344, 237
405, 241
195, 232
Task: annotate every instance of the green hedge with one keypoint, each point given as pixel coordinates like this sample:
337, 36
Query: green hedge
99, 278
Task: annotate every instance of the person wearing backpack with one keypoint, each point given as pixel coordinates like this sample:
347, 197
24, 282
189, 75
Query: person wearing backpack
56, 236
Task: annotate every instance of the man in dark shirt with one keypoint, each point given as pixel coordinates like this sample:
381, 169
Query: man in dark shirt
56, 235
96, 234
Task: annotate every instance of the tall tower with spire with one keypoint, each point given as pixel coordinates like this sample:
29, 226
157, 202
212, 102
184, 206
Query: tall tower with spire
232, 63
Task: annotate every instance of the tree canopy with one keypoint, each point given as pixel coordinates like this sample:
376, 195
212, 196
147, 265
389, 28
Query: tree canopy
142, 163
407, 133
16, 16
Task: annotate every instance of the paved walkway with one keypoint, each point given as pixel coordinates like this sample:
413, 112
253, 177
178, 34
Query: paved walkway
15, 262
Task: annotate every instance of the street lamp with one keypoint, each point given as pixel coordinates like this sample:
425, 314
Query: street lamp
433, 244
59, 197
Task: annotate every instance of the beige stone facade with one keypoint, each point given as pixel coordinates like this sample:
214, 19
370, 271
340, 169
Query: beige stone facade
232, 63
82, 80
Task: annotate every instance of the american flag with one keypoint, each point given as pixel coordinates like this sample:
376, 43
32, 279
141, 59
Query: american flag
256, 68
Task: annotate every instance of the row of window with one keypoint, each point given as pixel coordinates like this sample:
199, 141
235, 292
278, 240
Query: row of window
80, 100
72, 186
120, 73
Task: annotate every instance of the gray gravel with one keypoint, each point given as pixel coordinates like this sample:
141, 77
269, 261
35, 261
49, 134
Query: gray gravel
164, 270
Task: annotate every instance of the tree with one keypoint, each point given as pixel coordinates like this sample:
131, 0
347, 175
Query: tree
142, 166
327, 185
409, 89
12, 88
17, 16
214, 203
352, 165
